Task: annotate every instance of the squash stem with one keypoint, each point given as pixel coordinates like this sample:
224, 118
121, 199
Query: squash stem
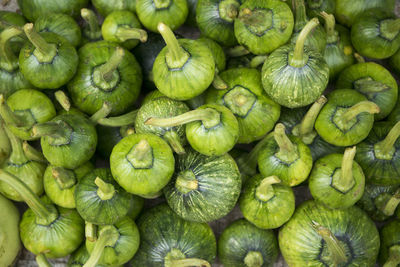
105, 190
389, 28
298, 59
208, 116
265, 191
42, 261
329, 24
345, 181
162, 4
287, 150
93, 32
218, 83
305, 130
32, 154
337, 251
237, 51
8, 58
17, 155
45, 214
390, 206
124, 33
254, 259
119, 121
141, 156
186, 182
44, 52
359, 58
90, 231
126, 130
8, 116
65, 178
108, 237
368, 86
190, 262
59, 132
101, 113
300, 15
360, 107
394, 257
173, 140
176, 56
63, 100
107, 69
257, 61
386, 146
228, 10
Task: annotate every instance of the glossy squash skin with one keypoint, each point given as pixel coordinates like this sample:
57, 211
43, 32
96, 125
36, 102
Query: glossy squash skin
241, 244
301, 244
98, 208
166, 237
360, 75
266, 204
245, 97
203, 188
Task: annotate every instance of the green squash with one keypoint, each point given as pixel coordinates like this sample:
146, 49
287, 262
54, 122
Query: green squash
191, 18
389, 255
394, 116
300, 123
24, 109
5, 146
169, 241
60, 183
115, 244
28, 171
105, 7
215, 19
394, 62
348, 11
295, 75
316, 40
375, 34
45, 227
99, 199
91, 31
137, 204
49, 60
60, 24
379, 201
117, 78
255, 112
241, 244
315, 7
123, 27
142, 164
373, 81
108, 137
184, 68
379, 154
10, 243
203, 188
266, 203
11, 78
263, 26
171, 12
346, 119
337, 181
68, 140
319, 236
338, 52
285, 156
10, 18
162, 107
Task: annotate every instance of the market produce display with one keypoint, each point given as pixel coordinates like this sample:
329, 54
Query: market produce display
199, 133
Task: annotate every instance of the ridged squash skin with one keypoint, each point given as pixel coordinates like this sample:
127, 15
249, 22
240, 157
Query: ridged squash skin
390, 237
105, 7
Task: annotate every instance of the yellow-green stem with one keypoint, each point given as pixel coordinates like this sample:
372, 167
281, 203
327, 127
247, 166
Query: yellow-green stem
360, 107
45, 51
298, 59
63, 100
386, 145
42, 261
90, 231
119, 121
105, 191
391, 205
176, 56
8, 116
64, 178
107, 69
90, 17
346, 180
253, 259
265, 191
237, 51
287, 150
394, 257
125, 33
32, 154
101, 113
17, 155
8, 59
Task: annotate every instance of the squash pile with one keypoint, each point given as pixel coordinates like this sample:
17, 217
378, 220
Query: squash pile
275, 103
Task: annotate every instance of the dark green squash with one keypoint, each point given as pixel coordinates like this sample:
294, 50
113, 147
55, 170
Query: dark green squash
389, 255
99, 199
295, 75
346, 119
285, 156
108, 137
203, 188
394, 62
60, 183
337, 181
142, 164
137, 204
315, 7
241, 244
373, 81
375, 34
255, 111
169, 241
319, 236
105, 7
379, 154
380, 202
266, 203
5, 146
263, 26
394, 116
